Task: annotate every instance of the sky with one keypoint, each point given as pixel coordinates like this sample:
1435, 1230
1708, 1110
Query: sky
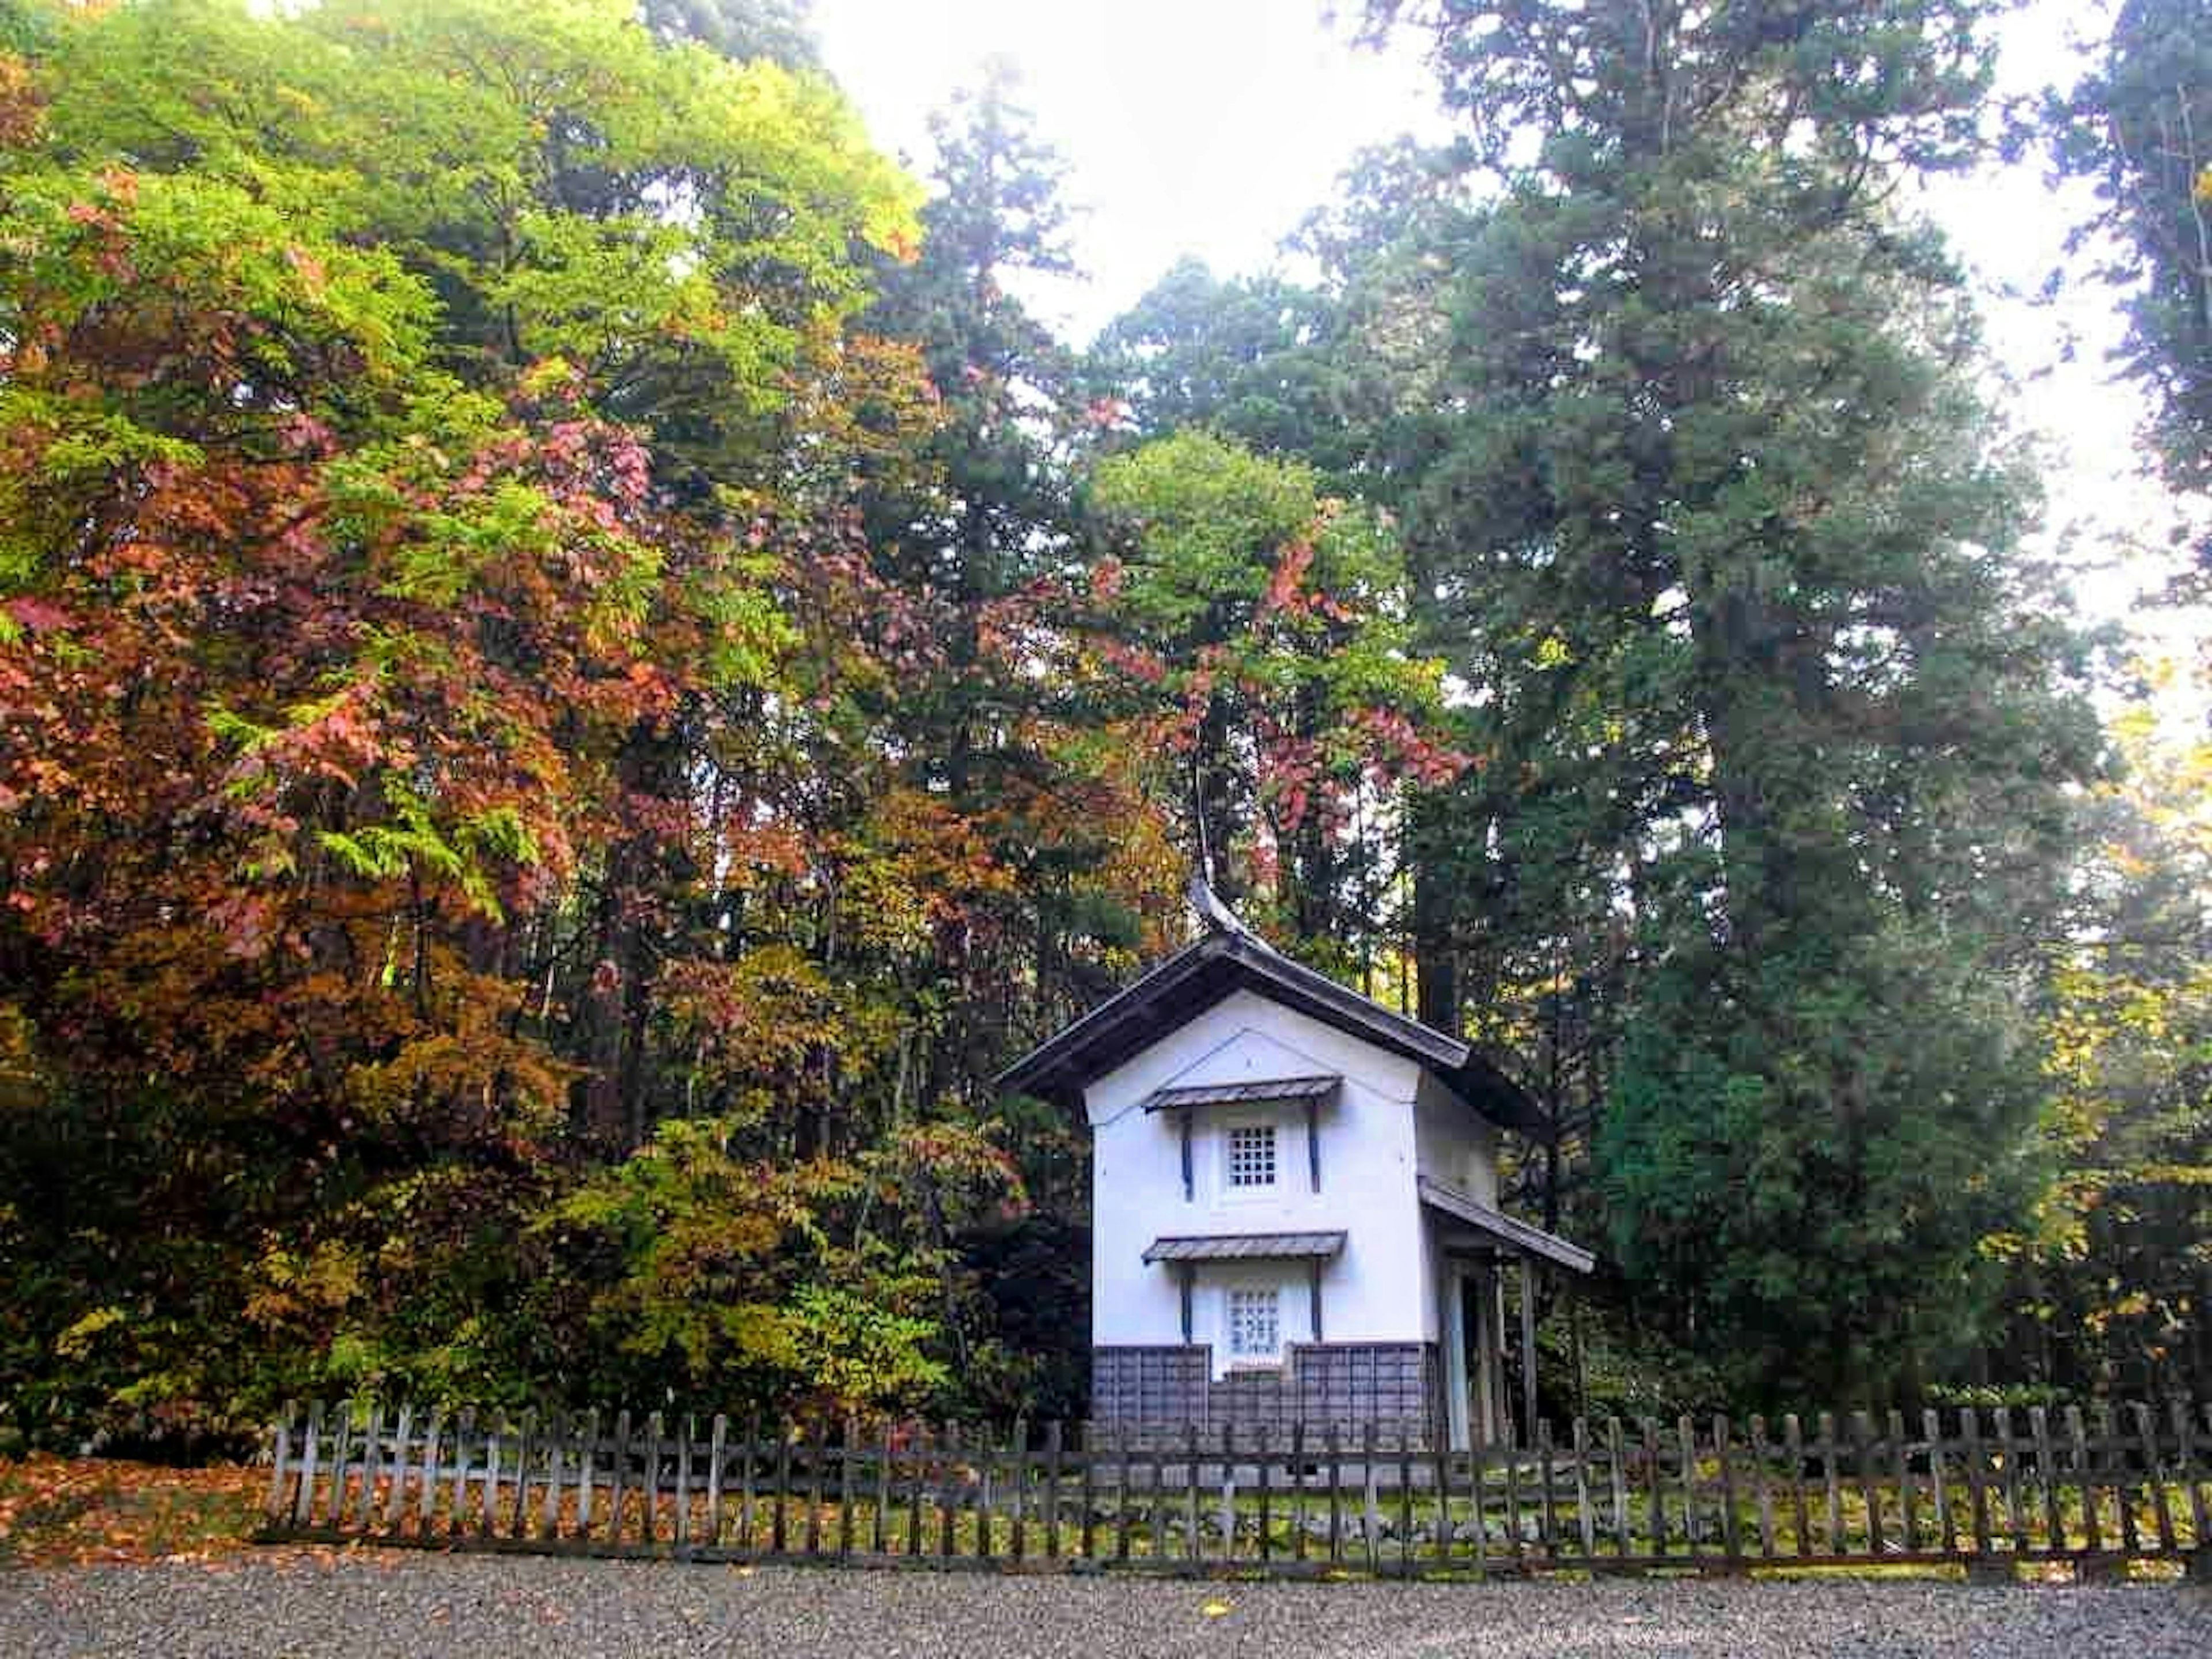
1211, 127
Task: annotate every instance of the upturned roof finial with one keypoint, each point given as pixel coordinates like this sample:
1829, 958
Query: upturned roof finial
1218, 917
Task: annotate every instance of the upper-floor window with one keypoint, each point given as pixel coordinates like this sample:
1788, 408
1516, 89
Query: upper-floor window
1252, 1155
1255, 1324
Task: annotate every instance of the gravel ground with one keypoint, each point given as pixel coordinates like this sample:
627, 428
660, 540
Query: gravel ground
367, 1605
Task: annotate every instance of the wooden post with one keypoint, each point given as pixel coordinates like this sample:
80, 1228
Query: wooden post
340, 1471
1299, 1487
426, 1500
1731, 1535
2015, 1507
1900, 1455
1336, 1496
1837, 1544
1313, 1295
1658, 1520
1616, 1458
1121, 1491
1939, 1477
879, 1534
745, 1472
1404, 1501
654, 1433
462, 1429
1548, 1508
1055, 1432
1020, 1447
2046, 1475
1585, 1521
1185, 1274
1372, 1525
816, 1461
1870, 1492
717, 1451
918, 1464
488, 1518
1527, 1350
391, 1503
1512, 1449
524, 1435
683, 1481
2108, 1441
1228, 1492
2085, 1480
1793, 1443
1194, 1546
845, 1454
2155, 1471
549, 1520
2184, 1439
1189, 1185
280, 1451
779, 1523
1088, 1496
1976, 1477
1260, 1467
1761, 1455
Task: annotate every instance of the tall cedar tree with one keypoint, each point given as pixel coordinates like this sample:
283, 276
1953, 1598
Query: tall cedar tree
2139, 127
1729, 541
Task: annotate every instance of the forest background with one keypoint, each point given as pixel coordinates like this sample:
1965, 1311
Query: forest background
577, 673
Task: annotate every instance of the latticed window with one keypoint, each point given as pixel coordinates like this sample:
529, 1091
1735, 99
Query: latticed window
1255, 1324
1252, 1155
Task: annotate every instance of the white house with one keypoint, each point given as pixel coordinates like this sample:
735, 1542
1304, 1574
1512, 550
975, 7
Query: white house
1295, 1202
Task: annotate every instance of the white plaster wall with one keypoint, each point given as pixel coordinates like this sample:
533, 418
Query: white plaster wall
1455, 1143
1377, 1291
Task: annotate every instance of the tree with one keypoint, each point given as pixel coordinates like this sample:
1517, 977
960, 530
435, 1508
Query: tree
1267, 625
2110, 1284
1725, 534
436, 680
782, 31
2140, 127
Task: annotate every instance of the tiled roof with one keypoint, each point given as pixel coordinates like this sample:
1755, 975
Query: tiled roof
1246, 1247
1238, 1094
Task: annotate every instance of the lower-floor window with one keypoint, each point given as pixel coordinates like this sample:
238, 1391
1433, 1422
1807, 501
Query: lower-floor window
1255, 1324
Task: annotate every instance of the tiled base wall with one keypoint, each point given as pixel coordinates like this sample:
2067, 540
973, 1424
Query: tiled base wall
1162, 1391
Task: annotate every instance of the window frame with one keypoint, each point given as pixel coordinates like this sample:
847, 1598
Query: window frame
1229, 1183
1272, 1295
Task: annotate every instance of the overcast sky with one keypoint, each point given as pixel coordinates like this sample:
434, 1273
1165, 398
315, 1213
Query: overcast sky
1210, 127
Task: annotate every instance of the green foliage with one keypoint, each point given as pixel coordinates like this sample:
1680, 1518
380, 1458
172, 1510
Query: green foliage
2138, 125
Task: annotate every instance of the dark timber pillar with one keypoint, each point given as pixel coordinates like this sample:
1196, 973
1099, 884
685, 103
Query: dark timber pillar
1528, 1349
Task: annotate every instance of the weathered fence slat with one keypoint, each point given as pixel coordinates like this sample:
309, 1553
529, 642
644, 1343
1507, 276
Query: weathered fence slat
1900, 1455
2046, 1477
879, 1538
1870, 1493
2192, 1477
1793, 1442
1977, 1491
1762, 1457
1585, 1521
1731, 1533
1832, 1481
2084, 1480
1686, 1456
1939, 1481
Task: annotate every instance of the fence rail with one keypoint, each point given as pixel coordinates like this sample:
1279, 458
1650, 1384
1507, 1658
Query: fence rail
1986, 1488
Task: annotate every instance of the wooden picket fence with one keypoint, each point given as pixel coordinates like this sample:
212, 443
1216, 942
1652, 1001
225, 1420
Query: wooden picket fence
1987, 1490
